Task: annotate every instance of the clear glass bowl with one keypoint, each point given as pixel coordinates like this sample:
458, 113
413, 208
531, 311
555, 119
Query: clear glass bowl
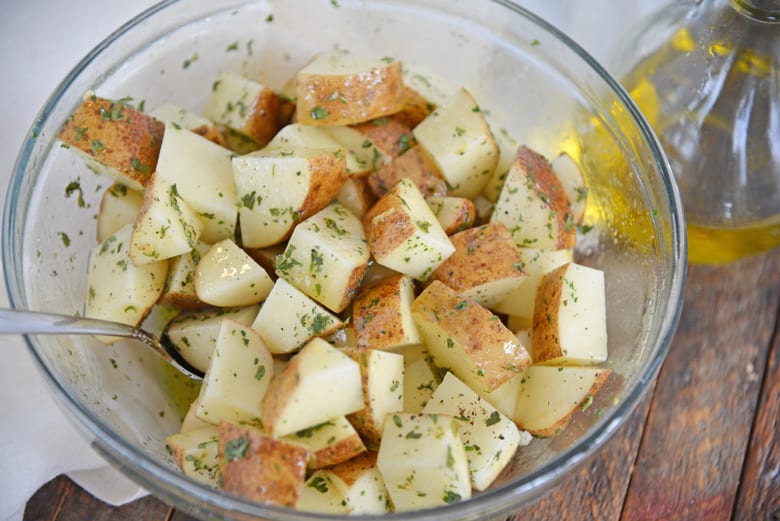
534, 83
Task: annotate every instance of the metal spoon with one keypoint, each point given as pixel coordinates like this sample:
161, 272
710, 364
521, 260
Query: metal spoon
13, 321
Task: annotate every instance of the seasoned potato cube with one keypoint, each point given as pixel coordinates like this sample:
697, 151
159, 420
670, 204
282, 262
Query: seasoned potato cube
319, 384
404, 234
166, 226
191, 422
368, 155
570, 317
550, 395
570, 175
194, 334
288, 319
175, 115
356, 196
423, 461
489, 437
339, 88
382, 374
382, 316
118, 140
459, 140
295, 136
259, 467
227, 276
505, 397
247, 107
180, 285
486, 265
196, 453
533, 205
266, 257
427, 84
203, 174
484, 208
467, 338
419, 384
118, 206
416, 107
389, 135
361, 485
277, 188
455, 214
329, 443
117, 289
415, 165
237, 377
507, 147
536, 263
326, 257
320, 495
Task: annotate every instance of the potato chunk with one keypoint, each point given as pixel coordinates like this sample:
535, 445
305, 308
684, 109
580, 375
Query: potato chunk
295, 136
180, 285
227, 276
339, 88
320, 495
175, 115
120, 141
382, 316
329, 443
455, 214
570, 175
361, 485
415, 165
467, 338
118, 206
196, 453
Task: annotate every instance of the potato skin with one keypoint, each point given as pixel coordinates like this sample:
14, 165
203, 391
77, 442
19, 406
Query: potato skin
329, 171
267, 115
416, 165
545, 328
391, 231
389, 134
116, 135
415, 107
376, 315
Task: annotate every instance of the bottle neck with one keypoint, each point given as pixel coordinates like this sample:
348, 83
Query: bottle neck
767, 11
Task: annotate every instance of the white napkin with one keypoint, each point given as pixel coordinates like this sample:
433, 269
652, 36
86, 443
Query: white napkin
37, 442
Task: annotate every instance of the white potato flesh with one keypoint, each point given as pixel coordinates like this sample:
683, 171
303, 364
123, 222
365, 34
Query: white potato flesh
194, 334
367, 155
119, 206
174, 114
489, 437
419, 383
180, 286
427, 83
329, 443
570, 175
191, 422
361, 485
203, 173
549, 396
166, 226
227, 276
288, 319
320, 495
423, 461
196, 452
297, 136
326, 257
237, 378
507, 147
231, 99
459, 140
320, 383
117, 289
450, 212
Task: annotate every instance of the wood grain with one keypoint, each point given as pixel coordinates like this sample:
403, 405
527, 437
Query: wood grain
690, 461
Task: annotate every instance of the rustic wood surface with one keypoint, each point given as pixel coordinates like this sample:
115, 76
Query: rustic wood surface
702, 445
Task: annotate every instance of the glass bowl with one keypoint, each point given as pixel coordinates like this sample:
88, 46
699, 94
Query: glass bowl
532, 81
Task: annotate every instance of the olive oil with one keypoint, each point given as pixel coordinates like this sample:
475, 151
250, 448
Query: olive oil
710, 245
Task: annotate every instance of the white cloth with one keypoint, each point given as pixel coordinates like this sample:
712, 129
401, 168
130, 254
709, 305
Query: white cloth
42, 40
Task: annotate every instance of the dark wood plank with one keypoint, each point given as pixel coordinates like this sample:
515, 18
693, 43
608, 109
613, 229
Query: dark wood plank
47, 501
759, 492
690, 460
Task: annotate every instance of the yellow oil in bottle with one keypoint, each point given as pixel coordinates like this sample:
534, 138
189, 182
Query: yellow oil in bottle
712, 245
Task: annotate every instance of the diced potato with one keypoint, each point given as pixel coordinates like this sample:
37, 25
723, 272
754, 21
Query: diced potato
570, 175
117, 289
570, 317
415, 165
196, 453
339, 88
261, 468
266, 257
533, 205
288, 319
295, 136
118, 140
277, 189
423, 461
390, 135
550, 395
507, 147
180, 285
484, 208
486, 265
247, 107
419, 384
329, 443
383, 391
118, 206
237, 377
416, 107
326, 257
459, 140
505, 397
427, 83
467, 338
194, 334
174, 115
376, 272
319, 384
412, 352
203, 174
166, 226
227, 276
320, 495
381, 314
489, 437
404, 234
536, 263
356, 196
455, 214
191, 422
361, 485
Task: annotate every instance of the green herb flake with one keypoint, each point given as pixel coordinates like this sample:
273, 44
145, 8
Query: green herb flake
260, 373
65, 239
319, 484
75, 187
493, 419
397, 421
450, 497
319, 113
232, 47
236, 448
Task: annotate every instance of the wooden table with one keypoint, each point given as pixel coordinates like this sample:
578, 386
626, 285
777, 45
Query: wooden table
703, 444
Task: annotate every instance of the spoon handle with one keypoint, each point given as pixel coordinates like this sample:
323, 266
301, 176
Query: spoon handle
14, 321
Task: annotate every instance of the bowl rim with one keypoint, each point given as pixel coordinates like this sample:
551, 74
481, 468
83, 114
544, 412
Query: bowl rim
174, 486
